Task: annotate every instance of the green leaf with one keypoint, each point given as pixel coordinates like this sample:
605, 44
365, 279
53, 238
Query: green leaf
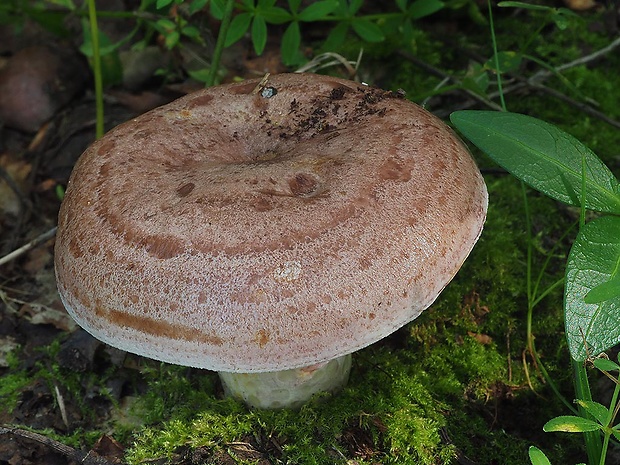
543, 156
318, 11
172, 39
421, 8
537, 457
200, 75
276, 15
525, 6
265, 4
402, 5
336, 37
162, 4
598, 411
354, 5
197, 5
291, 40
476, 79
259, 34
68, 4
571, 424
165, 25
507, 61
604, 291
367, 30
594, 259
294, 5
238, 27
191, 31
217, 8
606, 365
111, 67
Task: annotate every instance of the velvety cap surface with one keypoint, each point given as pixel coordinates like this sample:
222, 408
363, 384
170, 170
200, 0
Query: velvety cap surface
252, 227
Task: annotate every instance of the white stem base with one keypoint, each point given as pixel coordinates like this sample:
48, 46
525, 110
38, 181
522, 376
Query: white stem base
287, 388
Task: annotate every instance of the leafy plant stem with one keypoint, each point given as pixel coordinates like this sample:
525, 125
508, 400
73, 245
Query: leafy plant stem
614, 403
221, 40
551, 383
582, 391
528, 272
496, 58
94, 32
533, 36
533, 300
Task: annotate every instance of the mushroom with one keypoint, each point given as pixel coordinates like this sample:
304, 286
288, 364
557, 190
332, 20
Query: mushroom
266, 230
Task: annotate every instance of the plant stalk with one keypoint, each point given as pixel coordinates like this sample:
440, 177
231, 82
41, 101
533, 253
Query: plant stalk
219, 44
94, 37
496, 58
582, 391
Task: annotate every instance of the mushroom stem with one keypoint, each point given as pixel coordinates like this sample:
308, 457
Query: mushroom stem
287, 388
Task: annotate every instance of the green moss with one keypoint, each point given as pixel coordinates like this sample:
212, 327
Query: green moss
12, 383
401, 398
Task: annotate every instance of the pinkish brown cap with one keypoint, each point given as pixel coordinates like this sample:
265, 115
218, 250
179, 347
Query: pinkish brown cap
250, 227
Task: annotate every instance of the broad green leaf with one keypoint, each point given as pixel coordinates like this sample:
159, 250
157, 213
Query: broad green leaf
598, 411
367, 30
571, 424
291, 39
197, 5
238, 27
318, 10
336, 37
217, 8
543, 156
191, 31
276, 15
606, 365
421, 8
162, 4
402, 4
604, 291
537, 457
294, 5
259, 34
164, 25
354, 5
593, 260
265, 4
200, 75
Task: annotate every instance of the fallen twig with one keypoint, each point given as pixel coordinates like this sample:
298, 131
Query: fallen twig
85, 458
37, 241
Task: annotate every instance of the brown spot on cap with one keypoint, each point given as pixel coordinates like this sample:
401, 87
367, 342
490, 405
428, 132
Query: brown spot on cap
303, 184
186, 189
200, 101
262, 338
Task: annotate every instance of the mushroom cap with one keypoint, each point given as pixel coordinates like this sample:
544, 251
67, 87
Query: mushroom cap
266, 226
